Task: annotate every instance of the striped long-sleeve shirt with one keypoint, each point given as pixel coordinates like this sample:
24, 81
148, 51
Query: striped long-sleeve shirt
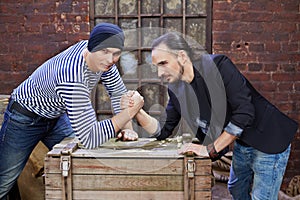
63, 84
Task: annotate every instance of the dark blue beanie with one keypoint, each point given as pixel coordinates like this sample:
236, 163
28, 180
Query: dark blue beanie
106, 35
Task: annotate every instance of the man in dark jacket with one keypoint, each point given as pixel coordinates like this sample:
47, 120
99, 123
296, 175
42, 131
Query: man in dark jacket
221, 107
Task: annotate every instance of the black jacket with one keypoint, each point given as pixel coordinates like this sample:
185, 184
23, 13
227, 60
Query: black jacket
220, 94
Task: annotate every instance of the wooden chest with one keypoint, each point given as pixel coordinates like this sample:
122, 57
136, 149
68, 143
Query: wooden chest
141, 170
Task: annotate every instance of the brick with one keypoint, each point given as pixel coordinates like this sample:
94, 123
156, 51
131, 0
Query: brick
285, 77
16, 47
270, 67
282, 37
285, 86
272, 26
288, 67
221, 25
258, 47
228, 16
222, 5
250, 27
8, 8
272, 46
81, 7
257, 17
65, 6
261, 6
288, 27
291, 6
288, 16
258, 76
10, 19
255, 66
273, 57
290, 47
41, 18
257, 37
282, 97
241, 7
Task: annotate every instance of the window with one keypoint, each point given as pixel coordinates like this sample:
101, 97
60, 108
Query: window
190, 17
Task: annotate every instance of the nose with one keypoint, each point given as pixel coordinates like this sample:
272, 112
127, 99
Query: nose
115, 58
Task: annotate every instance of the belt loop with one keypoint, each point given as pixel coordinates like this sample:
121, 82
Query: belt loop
10, 103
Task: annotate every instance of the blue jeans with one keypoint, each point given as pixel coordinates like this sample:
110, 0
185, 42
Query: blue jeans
256, 175
19, 135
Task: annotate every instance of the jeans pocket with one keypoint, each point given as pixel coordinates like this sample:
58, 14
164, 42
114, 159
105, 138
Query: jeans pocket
19, 120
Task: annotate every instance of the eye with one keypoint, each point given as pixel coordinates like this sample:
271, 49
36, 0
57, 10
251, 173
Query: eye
117, 54
105, 51
162, 63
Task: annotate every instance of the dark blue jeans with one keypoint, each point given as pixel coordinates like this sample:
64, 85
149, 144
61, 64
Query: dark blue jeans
19, 135
256, 175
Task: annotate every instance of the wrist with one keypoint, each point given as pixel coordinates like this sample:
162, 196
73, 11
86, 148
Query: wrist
213, 154
132, 111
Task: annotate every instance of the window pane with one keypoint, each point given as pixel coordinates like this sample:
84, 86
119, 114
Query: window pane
129, 64
196, 28
172, 6
196, 7
173, 24
150, 6
128, 7
152, 92
104, 7
148, 71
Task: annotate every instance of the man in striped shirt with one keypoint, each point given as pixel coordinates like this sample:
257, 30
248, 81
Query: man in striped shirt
54, 102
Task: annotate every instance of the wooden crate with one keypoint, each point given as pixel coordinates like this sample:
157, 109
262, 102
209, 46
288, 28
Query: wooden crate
141, 170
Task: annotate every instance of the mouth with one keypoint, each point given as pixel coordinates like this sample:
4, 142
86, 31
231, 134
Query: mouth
107, 67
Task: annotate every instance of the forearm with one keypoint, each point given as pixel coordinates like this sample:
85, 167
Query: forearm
123, 119
223, 141
147, 122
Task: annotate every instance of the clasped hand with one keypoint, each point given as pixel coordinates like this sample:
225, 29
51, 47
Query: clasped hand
132, 99
127, 135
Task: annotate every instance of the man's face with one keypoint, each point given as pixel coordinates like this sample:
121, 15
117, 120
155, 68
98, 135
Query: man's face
103, 59
167, 63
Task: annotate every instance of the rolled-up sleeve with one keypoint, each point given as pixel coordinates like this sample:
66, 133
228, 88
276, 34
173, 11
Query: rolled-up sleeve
233, 130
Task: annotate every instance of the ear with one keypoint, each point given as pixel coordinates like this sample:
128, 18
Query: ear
182, 57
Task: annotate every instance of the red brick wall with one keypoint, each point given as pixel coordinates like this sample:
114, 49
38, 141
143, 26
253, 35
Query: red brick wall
262, 38
33, 31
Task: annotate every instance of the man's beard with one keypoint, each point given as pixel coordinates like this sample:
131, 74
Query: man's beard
180, 74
